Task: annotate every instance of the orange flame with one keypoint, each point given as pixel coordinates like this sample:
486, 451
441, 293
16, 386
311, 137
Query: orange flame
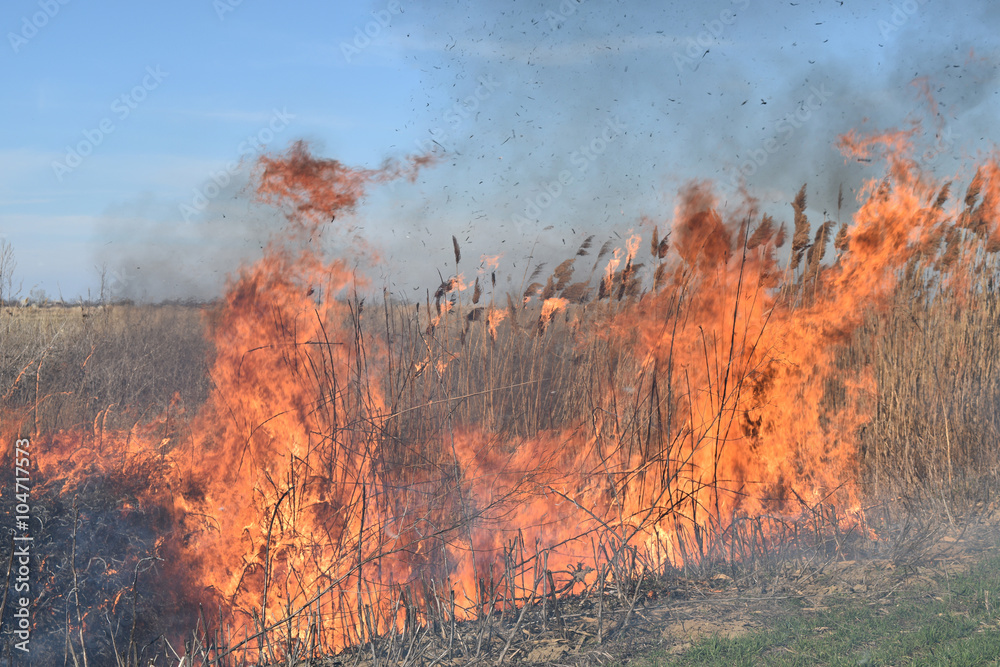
292, 494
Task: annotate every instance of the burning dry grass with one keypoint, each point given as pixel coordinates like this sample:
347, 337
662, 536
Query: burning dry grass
378, 475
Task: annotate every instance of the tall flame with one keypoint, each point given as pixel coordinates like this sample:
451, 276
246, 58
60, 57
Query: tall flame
716, 398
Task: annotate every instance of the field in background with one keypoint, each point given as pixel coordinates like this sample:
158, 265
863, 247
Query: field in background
108, 366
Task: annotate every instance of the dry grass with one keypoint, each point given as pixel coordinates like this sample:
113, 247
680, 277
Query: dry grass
102, 366
930, 439
934, 435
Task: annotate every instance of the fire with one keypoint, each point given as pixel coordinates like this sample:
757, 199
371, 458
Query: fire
550, 307
296, 493
490, 262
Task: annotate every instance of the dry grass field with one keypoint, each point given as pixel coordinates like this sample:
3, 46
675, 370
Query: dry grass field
296, 469
113, 364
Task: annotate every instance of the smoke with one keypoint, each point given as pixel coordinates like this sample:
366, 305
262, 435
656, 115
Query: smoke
736, 92
152, 253
556, 119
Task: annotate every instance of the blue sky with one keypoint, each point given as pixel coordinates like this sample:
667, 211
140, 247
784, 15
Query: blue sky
557, 118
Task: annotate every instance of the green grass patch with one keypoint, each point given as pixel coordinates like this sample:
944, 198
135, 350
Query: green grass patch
954, 621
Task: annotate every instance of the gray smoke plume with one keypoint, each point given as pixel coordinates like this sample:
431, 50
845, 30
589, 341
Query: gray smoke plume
556, 119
